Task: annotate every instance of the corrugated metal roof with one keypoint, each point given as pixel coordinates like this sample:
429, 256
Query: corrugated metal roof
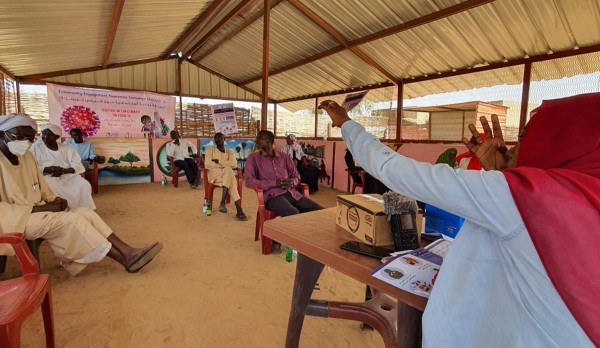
399, 40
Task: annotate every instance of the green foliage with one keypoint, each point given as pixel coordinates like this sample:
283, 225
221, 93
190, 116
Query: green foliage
100, 159
130, 158
113, 161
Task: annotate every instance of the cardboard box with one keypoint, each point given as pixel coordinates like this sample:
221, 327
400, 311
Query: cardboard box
362, 215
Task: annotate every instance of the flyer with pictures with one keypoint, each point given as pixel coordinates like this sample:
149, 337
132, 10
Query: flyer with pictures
415, 270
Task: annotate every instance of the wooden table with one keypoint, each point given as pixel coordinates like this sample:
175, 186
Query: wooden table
317, 239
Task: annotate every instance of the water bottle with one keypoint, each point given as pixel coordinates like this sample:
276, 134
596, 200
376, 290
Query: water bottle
205, 206
209, 208
289, 254
164, 181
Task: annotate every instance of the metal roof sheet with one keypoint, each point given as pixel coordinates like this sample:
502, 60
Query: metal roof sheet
316, 46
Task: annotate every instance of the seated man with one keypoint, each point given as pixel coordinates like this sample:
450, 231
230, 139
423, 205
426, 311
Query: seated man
84, 148
219, 163
276, 174
61, 166
77, 236
371, 184
182, 152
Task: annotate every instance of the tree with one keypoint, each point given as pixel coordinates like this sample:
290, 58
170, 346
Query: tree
113, 161
129, 157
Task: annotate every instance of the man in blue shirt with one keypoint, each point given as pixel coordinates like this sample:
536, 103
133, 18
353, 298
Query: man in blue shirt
84, 148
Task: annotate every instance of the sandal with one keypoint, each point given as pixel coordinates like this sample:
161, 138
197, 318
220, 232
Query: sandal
143, 258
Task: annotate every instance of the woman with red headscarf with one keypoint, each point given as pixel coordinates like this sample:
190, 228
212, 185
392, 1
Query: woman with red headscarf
521, 271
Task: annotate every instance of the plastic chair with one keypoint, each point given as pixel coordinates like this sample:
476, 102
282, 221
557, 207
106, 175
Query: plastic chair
356, 175
20, 297
175, 171
91, 175
263, 214
34, 247
209, 188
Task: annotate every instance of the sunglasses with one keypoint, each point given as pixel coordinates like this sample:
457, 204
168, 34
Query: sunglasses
18, 137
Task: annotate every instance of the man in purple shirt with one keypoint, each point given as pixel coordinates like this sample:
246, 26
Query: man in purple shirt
276, 174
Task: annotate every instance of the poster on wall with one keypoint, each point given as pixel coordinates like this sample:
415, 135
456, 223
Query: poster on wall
352, 100
111, 114
224, 118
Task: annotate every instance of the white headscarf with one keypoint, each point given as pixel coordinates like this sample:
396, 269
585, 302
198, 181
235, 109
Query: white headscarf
11, 121
53, 128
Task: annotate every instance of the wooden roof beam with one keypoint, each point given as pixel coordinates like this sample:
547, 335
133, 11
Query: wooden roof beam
193, 27
6, 72
251, 91
217, 27
432, 17
340, 91
324, 25
90, 69
112, 31
237, 30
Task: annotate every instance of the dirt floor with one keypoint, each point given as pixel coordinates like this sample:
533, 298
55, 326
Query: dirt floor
209, 287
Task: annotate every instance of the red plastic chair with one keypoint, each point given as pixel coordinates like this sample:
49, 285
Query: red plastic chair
355, 183
20, 297
175, 171
263, 214
209, 188
92, 176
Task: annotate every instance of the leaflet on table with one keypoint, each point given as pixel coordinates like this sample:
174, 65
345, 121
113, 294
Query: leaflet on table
414, 270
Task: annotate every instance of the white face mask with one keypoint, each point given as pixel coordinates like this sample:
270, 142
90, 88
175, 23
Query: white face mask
18, 147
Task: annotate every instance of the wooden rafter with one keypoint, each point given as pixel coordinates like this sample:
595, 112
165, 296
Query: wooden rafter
193, 27
90, 69
341, 39
251, 91
217, 27
432, 17
339, 91
6, 72
112, 31
493, 66
237, 30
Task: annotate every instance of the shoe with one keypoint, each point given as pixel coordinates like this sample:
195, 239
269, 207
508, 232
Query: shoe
276, 248
194, 186
143, 258
241, 216
223, 208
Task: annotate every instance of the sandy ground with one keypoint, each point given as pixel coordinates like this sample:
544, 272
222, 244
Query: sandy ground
210, 286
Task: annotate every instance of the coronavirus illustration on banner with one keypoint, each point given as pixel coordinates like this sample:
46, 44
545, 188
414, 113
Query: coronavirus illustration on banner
106, 114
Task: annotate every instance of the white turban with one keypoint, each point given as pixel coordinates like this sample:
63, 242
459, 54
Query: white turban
16, 120
53, 128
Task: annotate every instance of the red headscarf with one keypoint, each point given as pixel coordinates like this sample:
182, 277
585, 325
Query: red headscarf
556, 186
474, 163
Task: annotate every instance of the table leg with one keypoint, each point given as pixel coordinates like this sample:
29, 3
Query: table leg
307, 274
409, 326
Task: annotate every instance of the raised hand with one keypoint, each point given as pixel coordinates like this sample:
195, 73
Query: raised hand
337, 113
492, 152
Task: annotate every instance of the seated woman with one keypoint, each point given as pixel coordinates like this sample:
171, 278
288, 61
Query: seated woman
309, 174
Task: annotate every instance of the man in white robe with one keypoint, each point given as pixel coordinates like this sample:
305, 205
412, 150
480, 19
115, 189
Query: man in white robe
62, 167
220, 163
77, 236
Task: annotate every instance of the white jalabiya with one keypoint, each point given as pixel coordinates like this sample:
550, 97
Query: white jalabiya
72, 187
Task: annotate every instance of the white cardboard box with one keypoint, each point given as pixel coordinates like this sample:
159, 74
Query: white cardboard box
362, 215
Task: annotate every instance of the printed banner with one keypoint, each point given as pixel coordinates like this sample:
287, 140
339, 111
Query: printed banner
224, 118
352, 100
105, 113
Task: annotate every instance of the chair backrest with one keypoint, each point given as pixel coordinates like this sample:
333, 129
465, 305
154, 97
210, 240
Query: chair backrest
28, 263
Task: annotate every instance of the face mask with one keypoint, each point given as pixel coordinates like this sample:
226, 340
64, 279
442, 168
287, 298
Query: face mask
18, 147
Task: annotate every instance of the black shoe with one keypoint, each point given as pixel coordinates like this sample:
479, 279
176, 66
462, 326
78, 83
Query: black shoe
241, 216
